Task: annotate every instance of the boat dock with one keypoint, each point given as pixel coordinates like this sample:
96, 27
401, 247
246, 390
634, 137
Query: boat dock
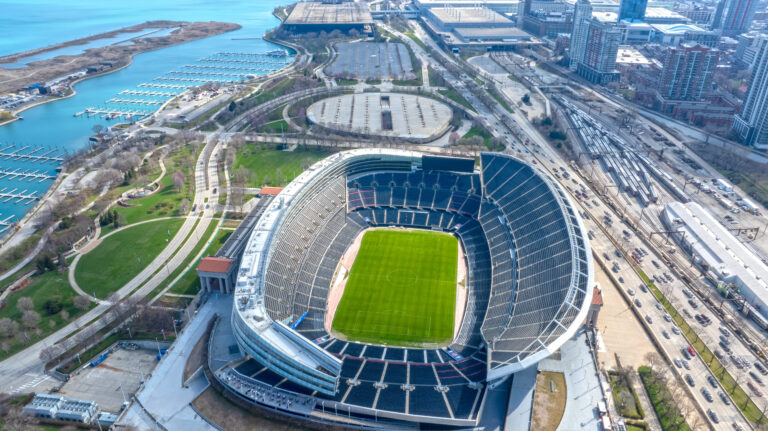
18, 174
9, 153
5, 223
20, 196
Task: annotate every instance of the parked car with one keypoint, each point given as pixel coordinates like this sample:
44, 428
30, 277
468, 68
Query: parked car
689, 380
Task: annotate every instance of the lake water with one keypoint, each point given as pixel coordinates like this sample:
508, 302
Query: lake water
37, 23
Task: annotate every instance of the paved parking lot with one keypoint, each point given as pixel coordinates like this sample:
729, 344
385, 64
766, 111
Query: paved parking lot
121, 373
371, 60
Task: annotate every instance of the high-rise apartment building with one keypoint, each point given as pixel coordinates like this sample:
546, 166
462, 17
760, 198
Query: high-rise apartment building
752, 123
687, 73
581, 16
734, 17
598, 63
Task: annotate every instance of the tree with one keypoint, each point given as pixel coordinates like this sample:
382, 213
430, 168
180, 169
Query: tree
178, 180
45, 263
53, 305
184, 206
232, 106
64, 315
30, 319
82, 302
8, 327
25, 303
526, 98
97, 129
453, 138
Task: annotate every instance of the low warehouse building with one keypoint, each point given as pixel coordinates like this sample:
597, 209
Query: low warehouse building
720, 253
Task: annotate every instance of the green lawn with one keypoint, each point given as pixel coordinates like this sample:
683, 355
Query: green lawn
48, 286
274, 167
190, 283
123, 255
277, 126
165, 202
456, 97
666, 409
401, 289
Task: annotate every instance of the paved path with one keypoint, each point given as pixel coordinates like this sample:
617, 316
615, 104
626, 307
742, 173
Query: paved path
23, 367
164, 397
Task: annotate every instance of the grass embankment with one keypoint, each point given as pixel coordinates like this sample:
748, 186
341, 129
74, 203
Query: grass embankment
548, 401
663, 403
401, 289
190, 283
346, 81
166, 202
499, 98
50, 286
273, 167
123, 255
456, 97
739, 396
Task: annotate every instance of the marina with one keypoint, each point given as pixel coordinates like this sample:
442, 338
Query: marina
20, 154
221, 68
5, 223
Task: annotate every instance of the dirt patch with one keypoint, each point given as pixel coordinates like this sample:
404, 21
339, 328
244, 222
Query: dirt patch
195, 359
230, 417
548, 406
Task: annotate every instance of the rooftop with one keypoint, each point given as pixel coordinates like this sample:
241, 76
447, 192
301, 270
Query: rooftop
319, 13
469, 15
630, 55
676, 28
486, 32
218, 265
604, 16
663, 13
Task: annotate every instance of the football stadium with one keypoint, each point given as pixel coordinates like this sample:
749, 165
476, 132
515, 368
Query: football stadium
390, 289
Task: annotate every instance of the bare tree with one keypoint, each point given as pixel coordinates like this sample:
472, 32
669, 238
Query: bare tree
8, 327
25, 303
64, 315
82, 302
49, 353
178, 180
16, 420
30, 319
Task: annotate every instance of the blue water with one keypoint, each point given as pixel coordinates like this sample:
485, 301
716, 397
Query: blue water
118, 39
36, 23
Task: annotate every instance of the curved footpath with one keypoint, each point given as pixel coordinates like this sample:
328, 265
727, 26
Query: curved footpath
26, 365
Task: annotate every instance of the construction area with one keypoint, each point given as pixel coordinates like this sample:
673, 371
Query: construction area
114, 380
371, 60
397, 115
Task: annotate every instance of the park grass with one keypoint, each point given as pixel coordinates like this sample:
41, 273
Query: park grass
346, 81
190, 283
740, 398
499, 98
41, 288
274, 127
123, 255
456, 97
548, 406
166, 201
274, 167
625, 397
401, 289
411, 35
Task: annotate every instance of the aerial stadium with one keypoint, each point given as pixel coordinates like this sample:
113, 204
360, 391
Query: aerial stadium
391, 289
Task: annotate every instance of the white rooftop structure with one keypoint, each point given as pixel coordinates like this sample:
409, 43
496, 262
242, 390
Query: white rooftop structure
728, 259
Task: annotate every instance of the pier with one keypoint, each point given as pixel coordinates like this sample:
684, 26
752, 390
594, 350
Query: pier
148, 84
5, 223
19, 154
147, 93
25, 175
136, 101
20, 197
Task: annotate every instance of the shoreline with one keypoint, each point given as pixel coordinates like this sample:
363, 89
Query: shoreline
71, 85
109, 57
160, 24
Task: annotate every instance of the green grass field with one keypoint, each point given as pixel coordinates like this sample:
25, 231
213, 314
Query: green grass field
401, 289
273, 167
123, 255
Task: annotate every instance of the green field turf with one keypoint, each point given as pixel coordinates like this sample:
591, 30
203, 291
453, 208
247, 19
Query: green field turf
401, 289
